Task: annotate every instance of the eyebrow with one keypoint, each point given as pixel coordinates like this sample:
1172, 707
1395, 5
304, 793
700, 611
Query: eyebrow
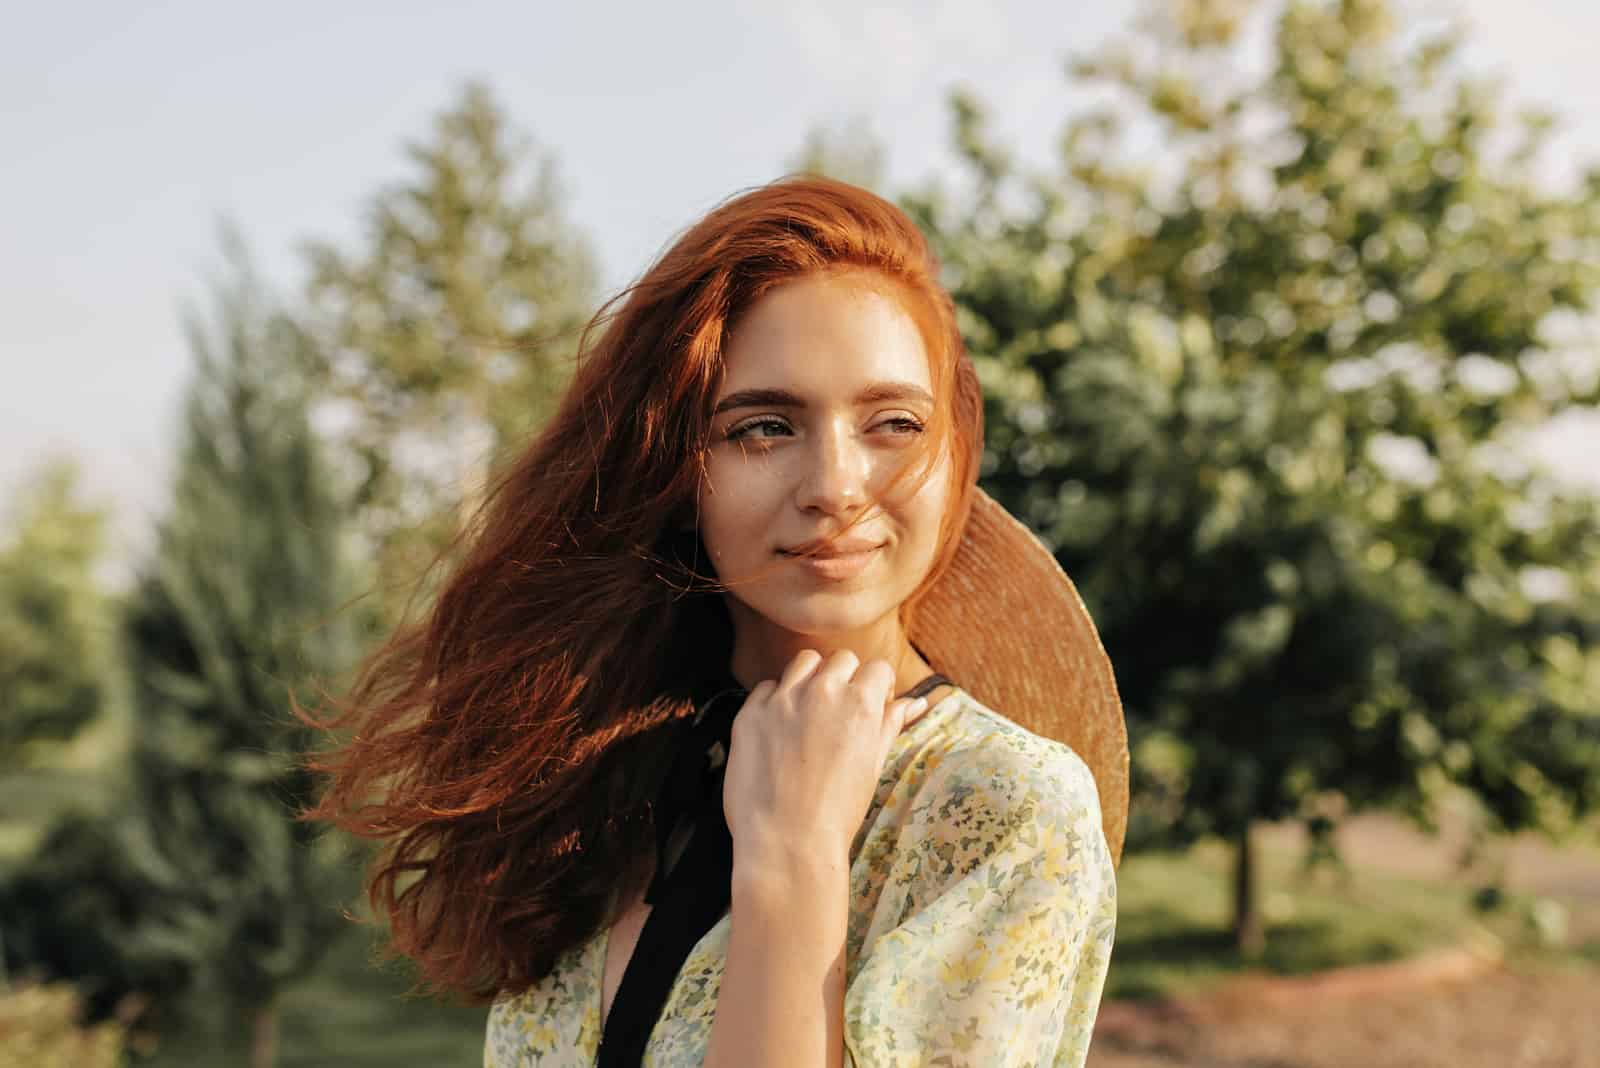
783, 398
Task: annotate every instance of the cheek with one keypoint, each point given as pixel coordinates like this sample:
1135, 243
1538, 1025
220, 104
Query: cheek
730, 520
714, 530
919, 519
926, 508
926, 520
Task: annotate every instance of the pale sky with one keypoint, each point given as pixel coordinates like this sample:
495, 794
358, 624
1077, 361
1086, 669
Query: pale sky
130, 129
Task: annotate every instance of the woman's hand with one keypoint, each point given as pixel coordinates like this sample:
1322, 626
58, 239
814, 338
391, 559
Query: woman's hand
805, 758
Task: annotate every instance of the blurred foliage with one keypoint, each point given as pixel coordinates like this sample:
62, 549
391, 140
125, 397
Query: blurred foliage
40, 1028
63, 697
1263, 399
55, 636
850, 152
355, 1010
204, 883
447, 336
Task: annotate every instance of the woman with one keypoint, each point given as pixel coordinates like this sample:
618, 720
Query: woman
699, 756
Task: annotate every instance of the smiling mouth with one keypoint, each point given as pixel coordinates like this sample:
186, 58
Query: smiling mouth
817, 550
835, 566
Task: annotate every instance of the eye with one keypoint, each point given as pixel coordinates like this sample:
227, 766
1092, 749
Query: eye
904, 424
743, 430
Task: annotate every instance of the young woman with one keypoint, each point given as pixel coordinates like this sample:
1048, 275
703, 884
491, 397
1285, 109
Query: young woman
748, 731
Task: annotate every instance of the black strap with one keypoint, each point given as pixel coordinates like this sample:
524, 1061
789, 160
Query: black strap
927, 686
689, 897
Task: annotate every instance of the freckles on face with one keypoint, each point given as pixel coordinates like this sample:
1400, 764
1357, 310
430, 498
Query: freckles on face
826, 395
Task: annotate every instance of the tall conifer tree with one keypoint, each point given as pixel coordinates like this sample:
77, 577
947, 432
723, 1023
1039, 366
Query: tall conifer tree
205, 890
239, 612
449, 330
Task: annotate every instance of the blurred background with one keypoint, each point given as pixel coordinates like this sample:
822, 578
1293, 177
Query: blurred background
1286, 318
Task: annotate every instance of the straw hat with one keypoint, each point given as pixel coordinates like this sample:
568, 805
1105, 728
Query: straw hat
1007, 624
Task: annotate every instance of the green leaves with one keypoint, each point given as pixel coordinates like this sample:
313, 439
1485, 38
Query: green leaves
239, 613
198, 881
446, 335
55, 650
1268, 404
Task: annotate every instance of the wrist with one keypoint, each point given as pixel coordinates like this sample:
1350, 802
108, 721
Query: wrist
798, 913
779, 877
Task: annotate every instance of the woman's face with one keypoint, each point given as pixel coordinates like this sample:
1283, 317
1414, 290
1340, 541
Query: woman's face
825, 391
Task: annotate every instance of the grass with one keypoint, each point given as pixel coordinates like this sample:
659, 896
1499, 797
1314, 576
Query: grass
1174, 910
352, 1013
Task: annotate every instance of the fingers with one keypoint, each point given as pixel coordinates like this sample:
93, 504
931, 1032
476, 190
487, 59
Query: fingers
897, 715
799, 669
908, 711
842, 669
876, 677
838, 668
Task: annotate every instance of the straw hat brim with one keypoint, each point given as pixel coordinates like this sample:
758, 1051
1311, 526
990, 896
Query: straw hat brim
1007, 625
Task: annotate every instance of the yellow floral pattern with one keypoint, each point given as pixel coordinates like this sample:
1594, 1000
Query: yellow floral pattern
983, 905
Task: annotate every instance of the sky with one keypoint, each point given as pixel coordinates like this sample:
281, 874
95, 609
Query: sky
131, 131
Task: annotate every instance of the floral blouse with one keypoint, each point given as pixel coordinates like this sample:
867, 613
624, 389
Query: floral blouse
982, 908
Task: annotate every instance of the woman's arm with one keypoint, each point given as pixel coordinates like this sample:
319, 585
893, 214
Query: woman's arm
782, 999
804, 758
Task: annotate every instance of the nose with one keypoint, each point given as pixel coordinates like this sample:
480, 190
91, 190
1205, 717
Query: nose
838, 470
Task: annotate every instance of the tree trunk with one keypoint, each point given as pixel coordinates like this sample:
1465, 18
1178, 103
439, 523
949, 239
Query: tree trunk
1249, 935
264, 1036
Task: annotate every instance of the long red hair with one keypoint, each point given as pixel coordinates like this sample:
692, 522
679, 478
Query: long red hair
506, 746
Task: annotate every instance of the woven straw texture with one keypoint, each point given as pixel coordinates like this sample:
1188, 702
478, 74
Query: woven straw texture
1007, 624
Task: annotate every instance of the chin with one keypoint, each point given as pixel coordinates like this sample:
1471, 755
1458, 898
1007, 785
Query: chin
829, 614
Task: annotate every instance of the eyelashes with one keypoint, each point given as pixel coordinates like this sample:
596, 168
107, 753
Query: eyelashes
905, 424
743, 430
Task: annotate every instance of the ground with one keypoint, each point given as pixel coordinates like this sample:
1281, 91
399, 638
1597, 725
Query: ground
1459, 1007
1505, 1019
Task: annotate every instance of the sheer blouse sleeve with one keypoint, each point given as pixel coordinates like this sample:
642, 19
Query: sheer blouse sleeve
992, 934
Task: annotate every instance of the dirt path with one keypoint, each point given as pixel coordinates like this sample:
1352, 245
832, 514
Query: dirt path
1505, 1020
1447, 1013
1531, 863
1525, 863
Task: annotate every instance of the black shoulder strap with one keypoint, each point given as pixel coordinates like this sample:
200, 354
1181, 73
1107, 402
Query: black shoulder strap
688, 897
928, 685
689, 908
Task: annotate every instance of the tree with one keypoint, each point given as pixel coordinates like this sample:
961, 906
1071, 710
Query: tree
55, 627
451, 331
239, 614
205, 891
1264, 403
62, 709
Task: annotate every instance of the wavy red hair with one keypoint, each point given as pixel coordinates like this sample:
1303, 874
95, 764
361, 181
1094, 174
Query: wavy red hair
506, 746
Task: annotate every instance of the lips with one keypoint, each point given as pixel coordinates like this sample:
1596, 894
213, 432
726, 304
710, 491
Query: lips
833, 565
818, 550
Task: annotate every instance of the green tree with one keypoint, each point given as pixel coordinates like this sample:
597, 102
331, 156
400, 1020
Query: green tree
449, 333
239, 614
62, 698
1263, 398
205, 893
55, 621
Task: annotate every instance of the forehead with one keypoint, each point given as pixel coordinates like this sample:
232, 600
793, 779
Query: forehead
825, 334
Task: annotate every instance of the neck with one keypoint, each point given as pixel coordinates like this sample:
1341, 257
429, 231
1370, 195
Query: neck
761, 649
